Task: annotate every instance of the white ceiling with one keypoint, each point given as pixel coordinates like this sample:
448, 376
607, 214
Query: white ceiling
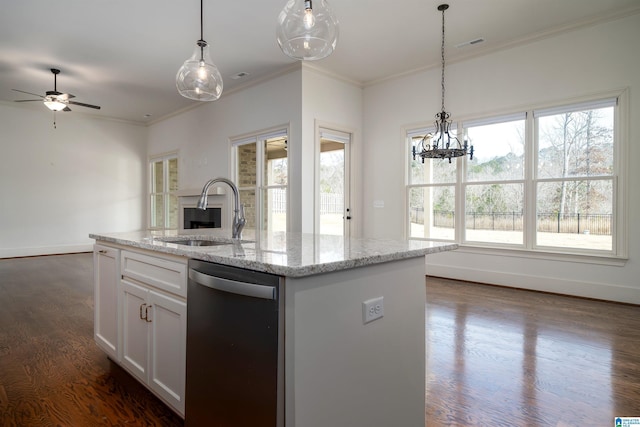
124, 54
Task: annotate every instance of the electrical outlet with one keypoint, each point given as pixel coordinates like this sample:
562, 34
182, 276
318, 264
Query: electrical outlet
372, 309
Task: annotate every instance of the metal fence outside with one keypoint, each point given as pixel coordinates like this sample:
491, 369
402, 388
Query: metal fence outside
599, 224
330, 203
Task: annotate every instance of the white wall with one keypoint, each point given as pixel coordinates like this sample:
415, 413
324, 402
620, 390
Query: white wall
297, 99
202, 134
331, 102
590, 60
59, 185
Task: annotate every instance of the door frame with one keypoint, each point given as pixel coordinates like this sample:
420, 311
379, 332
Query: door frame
348, 190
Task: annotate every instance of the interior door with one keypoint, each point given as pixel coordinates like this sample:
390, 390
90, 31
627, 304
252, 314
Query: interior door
333, 211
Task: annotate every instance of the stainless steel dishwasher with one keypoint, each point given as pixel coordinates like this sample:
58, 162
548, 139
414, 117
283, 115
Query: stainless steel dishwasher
234, 348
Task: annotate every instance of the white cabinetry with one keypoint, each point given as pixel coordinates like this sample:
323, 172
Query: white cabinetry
106, 307
141, 317
154, 324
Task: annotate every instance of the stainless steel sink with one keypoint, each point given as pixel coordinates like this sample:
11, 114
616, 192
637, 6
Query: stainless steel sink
197, 242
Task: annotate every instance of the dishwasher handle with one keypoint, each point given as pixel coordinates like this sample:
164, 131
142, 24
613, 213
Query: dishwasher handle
233, 286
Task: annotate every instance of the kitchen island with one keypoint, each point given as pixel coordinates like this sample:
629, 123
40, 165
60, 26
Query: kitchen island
337, 367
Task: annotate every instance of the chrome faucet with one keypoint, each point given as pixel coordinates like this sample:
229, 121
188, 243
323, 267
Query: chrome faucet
238, 212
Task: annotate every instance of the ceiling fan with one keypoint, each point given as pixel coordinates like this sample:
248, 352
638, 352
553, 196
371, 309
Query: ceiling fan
54, 100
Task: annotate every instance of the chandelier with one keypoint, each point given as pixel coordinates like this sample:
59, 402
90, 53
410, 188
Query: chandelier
441, 144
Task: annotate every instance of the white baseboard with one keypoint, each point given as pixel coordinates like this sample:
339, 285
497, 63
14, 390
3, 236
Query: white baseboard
44, 250
602, 291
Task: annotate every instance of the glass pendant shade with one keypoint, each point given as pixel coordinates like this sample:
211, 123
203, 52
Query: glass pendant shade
199, 78
307, 29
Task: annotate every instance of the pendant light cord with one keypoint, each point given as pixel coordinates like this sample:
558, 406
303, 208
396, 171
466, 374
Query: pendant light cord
201, 42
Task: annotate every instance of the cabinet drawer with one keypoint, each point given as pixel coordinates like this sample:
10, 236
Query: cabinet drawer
161, 273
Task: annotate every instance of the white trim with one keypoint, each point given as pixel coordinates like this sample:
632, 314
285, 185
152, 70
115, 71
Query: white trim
602, 291
268, 133
344, 135
618, 98
164, 157
281, 131
575, 107
335, 135
494, 120
45, 250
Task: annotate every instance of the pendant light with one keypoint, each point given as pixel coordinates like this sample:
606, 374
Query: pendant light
442, 145
199, 78
307, 29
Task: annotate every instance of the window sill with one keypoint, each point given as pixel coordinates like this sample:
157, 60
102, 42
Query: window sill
604, 259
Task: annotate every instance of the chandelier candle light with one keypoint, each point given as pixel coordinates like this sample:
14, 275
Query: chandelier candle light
199, 78
442, 145
307, 29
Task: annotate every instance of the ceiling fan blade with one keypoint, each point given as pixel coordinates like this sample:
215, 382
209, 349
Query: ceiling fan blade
66, 109
27, 100
84, 105
29, 93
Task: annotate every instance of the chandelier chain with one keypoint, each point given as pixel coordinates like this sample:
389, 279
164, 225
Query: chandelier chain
442, 53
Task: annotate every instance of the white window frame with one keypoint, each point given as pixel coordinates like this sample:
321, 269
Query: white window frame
464, 182
619, 252
166, 193
258, 138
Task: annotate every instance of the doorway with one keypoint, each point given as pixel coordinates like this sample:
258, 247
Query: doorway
333, 210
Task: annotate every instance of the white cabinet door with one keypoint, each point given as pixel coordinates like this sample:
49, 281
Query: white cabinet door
105, 293
154, 338
168, 330
135, 330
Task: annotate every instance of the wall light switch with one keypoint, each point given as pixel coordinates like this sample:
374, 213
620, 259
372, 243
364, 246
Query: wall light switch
372, 309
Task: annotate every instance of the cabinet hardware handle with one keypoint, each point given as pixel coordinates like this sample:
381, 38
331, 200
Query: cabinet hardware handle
102, 251
141, 307
146, 313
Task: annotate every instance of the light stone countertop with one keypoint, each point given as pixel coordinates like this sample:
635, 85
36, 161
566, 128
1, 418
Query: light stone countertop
284, 254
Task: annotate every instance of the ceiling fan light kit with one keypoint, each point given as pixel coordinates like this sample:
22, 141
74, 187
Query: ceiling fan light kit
307, 29
199, 78
53, 104
54, 100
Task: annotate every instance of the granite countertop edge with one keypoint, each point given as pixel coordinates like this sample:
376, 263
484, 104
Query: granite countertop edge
244, 254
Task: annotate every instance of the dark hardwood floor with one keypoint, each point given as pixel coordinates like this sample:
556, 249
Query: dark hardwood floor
496, 356
51, 371
506, 357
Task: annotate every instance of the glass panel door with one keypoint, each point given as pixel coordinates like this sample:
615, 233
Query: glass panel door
334, 212
261, 170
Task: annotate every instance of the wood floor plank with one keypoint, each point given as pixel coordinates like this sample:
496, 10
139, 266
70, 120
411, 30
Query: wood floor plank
51, 371
495, 356
507, 357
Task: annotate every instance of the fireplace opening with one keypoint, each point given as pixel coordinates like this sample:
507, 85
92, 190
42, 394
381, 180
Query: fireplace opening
197, 218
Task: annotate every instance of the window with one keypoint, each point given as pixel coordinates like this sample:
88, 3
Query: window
494, 181
261, 169
163, 201
431, 194
575, 176
541, 180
